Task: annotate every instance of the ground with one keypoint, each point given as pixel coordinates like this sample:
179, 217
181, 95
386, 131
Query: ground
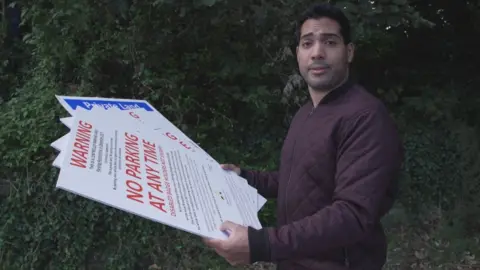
411, 246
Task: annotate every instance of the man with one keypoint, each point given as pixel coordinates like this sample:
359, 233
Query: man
338, 169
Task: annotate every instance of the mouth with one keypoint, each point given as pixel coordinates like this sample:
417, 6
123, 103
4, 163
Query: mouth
318, 70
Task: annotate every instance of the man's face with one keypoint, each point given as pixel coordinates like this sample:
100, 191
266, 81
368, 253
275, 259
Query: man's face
322, 56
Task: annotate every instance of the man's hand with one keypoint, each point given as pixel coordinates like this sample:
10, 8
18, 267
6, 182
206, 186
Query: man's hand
231, 167
235, 249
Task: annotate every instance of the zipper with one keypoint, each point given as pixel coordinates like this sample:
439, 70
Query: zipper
288, 182
345, 254
293, 161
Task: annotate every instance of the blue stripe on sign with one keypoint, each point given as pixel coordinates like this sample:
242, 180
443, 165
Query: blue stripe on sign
123, 105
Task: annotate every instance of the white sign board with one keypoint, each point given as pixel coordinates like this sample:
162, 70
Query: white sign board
125, 154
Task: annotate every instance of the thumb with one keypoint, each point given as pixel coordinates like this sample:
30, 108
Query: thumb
231, 167
228, 166
228, 226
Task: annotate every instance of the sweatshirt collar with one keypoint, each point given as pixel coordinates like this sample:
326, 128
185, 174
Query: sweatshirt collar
337, 92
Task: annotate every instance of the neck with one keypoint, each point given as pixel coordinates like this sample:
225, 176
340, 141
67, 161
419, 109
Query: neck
317, 95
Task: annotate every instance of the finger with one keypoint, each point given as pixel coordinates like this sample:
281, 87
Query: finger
224, 252
228, 167
224, 255
213, 243
228, 226
232, 262
206, 239
221, 252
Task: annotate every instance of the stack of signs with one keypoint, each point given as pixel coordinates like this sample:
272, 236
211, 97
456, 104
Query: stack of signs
126, 154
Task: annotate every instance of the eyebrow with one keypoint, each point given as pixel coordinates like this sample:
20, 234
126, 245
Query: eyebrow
310, 34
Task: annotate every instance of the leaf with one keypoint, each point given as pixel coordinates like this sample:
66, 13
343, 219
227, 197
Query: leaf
208, 3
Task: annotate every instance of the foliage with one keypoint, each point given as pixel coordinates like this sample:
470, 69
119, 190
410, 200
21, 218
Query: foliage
224, 72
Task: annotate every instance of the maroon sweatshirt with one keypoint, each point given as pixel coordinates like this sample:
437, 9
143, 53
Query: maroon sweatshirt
338, 174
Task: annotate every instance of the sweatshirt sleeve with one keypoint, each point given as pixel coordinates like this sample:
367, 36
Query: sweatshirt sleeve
265, 182
368, 164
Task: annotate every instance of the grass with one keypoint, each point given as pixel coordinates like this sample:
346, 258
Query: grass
430, 244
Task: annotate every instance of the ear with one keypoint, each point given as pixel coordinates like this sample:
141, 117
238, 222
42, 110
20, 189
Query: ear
350, 52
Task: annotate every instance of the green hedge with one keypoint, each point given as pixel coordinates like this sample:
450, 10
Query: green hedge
223, 73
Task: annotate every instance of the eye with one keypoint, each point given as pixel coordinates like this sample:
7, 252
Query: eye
306, 44
331, 42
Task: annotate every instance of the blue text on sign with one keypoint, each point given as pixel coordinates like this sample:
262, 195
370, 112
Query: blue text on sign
106, 104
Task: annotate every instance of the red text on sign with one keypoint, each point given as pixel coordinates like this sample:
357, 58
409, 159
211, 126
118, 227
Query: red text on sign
135, 189
81, 145
174, 138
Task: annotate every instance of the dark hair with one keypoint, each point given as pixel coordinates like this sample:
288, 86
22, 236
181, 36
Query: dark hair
318, 11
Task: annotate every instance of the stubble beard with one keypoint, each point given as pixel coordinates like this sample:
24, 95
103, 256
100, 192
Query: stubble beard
326, 82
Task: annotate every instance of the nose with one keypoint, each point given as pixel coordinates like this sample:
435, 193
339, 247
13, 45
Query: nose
318, 51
